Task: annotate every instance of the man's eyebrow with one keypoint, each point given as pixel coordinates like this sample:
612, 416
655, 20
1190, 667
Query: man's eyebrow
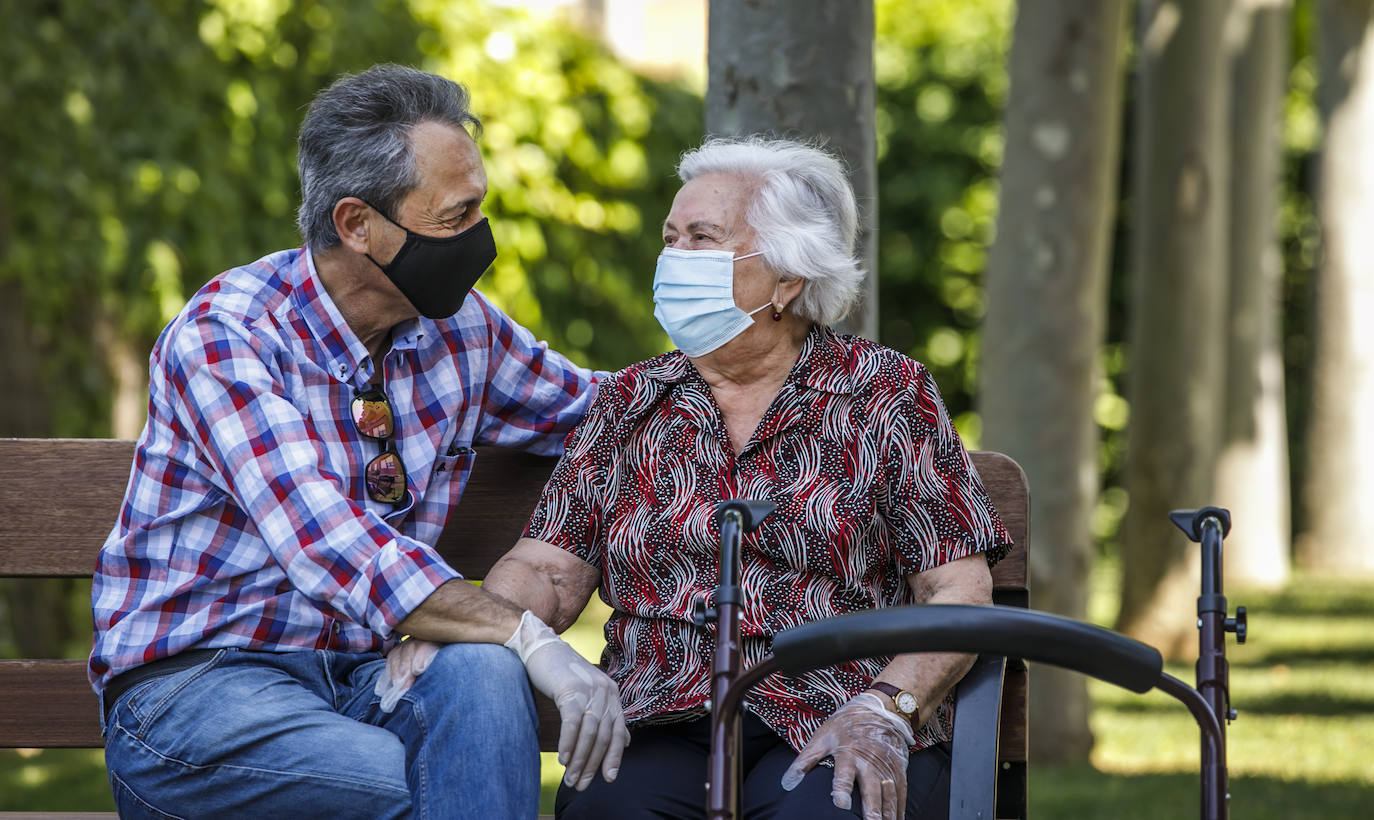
462, 205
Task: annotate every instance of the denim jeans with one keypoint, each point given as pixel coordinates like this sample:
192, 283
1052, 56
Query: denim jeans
300, 734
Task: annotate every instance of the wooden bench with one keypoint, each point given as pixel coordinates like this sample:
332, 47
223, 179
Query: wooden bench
60, 497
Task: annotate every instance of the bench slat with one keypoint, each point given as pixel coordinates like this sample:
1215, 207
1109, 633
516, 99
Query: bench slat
48, 704
59, 498
85, 479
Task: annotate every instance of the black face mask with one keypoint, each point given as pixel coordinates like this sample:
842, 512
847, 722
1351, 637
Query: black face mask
435, 274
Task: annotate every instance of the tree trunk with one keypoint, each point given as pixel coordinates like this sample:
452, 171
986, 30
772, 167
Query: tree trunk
1340, 474
1252, 472
803, 69
41, 604
1178, 333
1046, 297
128, 370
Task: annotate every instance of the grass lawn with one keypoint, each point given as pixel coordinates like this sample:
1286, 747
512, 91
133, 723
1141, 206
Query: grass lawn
1304, 686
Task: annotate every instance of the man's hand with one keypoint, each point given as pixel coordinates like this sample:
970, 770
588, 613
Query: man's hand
593, 732
866, 740
404, 663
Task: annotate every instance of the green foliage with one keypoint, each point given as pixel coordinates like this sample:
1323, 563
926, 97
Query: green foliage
580, 153
941, 79
149, 145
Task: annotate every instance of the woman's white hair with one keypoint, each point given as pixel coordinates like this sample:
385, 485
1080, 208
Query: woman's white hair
802, 211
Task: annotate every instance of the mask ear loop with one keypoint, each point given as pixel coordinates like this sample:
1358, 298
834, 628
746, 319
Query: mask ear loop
777, 316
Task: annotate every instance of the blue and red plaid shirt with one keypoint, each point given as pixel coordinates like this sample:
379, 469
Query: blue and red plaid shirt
246, 522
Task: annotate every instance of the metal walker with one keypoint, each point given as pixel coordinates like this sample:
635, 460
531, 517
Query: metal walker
996, 630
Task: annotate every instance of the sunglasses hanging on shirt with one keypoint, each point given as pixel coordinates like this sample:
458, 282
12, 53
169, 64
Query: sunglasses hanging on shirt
385, 475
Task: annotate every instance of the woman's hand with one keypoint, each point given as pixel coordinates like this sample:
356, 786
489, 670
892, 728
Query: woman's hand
593, 733
869, 742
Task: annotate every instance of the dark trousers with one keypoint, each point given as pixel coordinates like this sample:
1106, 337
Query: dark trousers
663, 775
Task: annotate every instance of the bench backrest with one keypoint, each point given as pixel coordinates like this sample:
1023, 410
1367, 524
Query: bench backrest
60, 497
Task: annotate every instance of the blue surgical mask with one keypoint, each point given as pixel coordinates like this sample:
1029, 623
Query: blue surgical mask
694, 299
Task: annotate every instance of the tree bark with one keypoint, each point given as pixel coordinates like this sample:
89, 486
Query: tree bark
1046, 312
803, 69
1178, 332
41, 604
1340, 474
1252, 472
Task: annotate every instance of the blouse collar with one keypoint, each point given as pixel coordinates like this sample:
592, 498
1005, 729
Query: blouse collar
821, 365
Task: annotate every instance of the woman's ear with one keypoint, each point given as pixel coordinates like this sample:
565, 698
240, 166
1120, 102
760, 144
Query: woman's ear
787, 290
351, 223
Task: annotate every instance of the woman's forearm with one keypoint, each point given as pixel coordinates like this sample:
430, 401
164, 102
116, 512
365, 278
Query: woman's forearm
930, 675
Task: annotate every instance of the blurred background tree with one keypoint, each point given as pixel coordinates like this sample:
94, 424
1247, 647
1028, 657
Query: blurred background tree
1047, 313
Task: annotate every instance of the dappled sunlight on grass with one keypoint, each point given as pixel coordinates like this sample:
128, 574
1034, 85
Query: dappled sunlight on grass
1078, 792
54, 780
1305, 694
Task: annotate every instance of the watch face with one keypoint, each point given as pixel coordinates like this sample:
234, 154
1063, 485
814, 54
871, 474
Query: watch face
906, 702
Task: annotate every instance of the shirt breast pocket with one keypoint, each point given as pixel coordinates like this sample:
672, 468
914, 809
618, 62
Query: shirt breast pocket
458, 459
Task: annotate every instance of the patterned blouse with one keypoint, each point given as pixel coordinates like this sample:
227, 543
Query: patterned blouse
872, 484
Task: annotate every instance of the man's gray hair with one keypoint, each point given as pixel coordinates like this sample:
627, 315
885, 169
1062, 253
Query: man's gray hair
803, 214
355, 141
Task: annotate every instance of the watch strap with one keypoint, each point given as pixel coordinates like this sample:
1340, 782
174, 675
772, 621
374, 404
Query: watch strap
892, 692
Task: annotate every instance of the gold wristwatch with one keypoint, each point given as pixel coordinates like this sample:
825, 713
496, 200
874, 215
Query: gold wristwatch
905, 702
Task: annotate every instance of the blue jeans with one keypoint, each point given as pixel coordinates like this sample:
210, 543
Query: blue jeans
300, 734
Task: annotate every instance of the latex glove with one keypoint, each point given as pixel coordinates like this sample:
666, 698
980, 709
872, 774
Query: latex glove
867, 740
593, 732
404, 663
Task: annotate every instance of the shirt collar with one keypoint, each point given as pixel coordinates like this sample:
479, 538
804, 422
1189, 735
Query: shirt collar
824, 362
821, 365
346, 356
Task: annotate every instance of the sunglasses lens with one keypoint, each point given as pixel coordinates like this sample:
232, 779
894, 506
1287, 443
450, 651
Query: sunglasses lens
372, 415
386, 478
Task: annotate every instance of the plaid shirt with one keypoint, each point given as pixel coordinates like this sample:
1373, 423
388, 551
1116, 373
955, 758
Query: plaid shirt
246, 522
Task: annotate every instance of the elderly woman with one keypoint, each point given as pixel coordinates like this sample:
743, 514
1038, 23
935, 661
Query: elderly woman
878, 505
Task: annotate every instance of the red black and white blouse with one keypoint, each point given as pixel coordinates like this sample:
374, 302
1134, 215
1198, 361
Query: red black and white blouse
871, 481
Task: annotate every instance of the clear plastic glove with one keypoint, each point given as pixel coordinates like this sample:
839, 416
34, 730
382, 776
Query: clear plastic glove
593, 732
404, 663
867, 740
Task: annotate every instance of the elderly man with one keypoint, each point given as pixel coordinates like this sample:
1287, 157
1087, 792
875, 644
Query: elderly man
312, 421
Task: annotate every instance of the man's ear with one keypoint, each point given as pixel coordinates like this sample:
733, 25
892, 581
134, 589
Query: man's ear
351, 217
